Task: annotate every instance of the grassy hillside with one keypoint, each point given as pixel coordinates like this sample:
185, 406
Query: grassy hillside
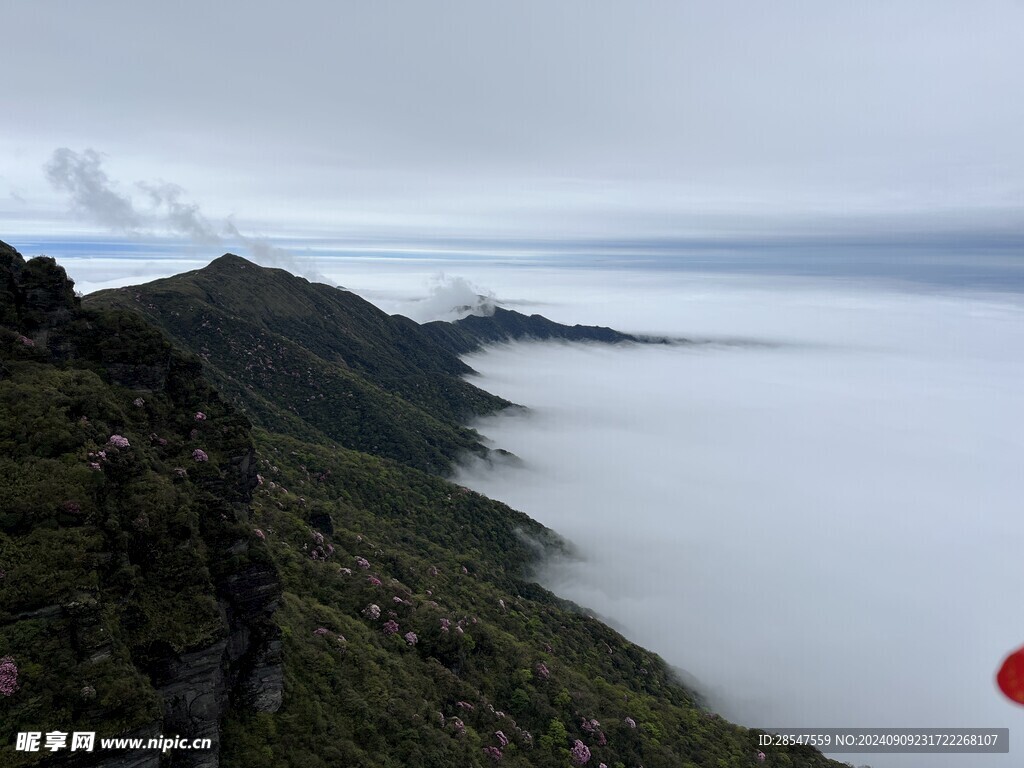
310, 359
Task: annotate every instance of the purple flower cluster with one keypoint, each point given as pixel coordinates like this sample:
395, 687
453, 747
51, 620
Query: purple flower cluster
411, 639
138, 402
502, 738
458, 726
580, 753
445, 624
630, 722
493, 752
200, 455
362, 562
590, 726
390, 627
542, 671
200, 416
760, 757
118, 441
321, 631
260, 534
374, 581
26, 341
372, 611
8, 676
345, 571
464, 705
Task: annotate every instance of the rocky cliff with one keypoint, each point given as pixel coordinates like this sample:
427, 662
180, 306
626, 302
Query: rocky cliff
130, 586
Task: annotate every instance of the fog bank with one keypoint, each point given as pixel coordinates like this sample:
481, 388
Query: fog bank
826, 531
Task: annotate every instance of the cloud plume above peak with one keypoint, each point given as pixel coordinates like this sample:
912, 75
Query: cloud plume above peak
96, 198
92, 193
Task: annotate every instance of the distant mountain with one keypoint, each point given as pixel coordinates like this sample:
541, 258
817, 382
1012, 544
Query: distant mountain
319, 361
316, 361
168, 568
472, 332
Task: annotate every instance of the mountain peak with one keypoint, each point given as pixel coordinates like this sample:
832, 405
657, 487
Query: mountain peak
231, 260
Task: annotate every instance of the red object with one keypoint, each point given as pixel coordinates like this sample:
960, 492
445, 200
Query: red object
1011, 676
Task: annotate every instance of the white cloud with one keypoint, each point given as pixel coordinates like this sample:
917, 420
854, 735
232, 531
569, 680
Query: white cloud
824, 531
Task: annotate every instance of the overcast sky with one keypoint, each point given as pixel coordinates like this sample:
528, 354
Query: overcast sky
567, 119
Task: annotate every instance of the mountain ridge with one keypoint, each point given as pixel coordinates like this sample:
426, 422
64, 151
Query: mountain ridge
168, 567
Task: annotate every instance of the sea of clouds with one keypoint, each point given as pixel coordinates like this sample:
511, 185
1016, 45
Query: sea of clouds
816, 514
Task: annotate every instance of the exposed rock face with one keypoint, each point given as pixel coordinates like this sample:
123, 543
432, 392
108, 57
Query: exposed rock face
193, 689
254, 647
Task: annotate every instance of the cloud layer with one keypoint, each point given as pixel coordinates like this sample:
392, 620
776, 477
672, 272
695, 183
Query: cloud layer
824, 531
530, 119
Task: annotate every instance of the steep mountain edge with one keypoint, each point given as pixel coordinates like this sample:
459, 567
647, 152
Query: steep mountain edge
131, 596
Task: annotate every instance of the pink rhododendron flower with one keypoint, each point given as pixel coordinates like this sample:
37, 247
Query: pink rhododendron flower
580, 753
502, 738
362, 562
445, 623
200, 455
138, 402
760, 757
458, 726
464, 705
119, 441
321, 631
390, 627
200, 416
590, 726
26, 341
372, 611
411, 639
630, 722
542, 671
374, 580
465, 569
260, 534
346, 571
493, 752
8, 676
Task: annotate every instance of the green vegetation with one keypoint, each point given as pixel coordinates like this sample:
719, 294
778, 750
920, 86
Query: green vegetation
157, 549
